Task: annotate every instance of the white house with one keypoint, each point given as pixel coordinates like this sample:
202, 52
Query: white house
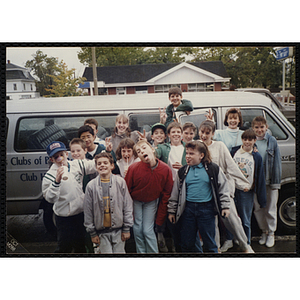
19, 83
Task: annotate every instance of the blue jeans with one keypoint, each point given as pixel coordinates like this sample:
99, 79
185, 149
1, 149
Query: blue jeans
244, 202
198, 216
143, 228
175, 230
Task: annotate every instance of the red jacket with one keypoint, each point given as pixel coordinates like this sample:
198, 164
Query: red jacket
145, 184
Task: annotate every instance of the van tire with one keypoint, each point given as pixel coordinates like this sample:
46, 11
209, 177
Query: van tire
286, 212
49, 219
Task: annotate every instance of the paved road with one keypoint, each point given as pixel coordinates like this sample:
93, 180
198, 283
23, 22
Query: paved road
27, 235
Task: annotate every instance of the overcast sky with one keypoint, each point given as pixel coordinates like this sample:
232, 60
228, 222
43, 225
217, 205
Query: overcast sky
20, 55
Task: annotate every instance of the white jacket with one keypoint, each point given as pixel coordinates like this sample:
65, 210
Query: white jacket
67, 196
221, 156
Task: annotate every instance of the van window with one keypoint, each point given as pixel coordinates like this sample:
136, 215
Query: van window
249, 114
38, 132
143, 121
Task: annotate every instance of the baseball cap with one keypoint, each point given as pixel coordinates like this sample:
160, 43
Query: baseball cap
55, 147
158, 125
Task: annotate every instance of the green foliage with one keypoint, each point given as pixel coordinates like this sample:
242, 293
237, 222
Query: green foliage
43, 68
120, 56
65, 85
53, 78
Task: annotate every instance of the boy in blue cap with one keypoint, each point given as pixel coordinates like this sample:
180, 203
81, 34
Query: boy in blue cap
62, 186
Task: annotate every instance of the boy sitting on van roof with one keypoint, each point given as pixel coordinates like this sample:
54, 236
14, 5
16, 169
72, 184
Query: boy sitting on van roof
177, 104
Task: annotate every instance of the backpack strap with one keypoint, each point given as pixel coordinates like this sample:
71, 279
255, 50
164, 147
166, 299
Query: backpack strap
182, 172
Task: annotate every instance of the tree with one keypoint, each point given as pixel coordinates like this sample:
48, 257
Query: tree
65, 85
43, 69
246, 66
120, 56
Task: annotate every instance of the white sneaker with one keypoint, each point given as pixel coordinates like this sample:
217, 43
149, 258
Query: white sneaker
263, 238
227, 245
249, 249
270, 240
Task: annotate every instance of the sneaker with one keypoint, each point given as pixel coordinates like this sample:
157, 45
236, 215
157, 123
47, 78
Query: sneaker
263, 238
161, 243
270, 240
227, 245
249, 250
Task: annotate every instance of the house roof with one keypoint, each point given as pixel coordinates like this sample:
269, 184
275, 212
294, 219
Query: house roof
13, 66
143, 73
16, 72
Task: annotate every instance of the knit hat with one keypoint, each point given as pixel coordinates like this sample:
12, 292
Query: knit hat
159, 125
55, 147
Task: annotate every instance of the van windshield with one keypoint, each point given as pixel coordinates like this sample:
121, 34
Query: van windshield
289, 124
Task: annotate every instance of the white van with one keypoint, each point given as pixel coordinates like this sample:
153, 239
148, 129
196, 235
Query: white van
33, 124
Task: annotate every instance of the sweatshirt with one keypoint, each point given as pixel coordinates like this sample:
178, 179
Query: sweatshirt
221, 156
67, 196
146, 184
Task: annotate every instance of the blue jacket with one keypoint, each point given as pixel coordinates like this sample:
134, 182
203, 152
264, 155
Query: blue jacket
259, 176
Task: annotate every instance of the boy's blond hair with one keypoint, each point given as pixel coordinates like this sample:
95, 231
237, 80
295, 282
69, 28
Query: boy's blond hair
259, 119
78, 141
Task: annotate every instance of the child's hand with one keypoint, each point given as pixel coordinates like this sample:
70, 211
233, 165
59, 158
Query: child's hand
59, 173
209, 115
142, 136
125, 236
163, 115
171, 218
246, 190
108, 144
225, 213
188, 112
177, 165
96, 240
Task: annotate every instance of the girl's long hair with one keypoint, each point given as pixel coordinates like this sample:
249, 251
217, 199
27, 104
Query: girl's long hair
125, 120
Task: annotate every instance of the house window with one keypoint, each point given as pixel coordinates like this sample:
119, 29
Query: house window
121, 91
200, 87
31, 87
24, 87
164, 88
15, 86
141, 90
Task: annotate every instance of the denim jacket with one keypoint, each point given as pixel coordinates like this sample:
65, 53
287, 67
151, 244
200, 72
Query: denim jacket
273, 168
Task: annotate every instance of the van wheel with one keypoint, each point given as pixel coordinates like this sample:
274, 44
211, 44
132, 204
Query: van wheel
49, 219
286, 217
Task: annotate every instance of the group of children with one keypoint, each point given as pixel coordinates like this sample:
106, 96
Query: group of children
165, 179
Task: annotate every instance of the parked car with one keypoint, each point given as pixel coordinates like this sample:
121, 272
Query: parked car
33, 124
288, 109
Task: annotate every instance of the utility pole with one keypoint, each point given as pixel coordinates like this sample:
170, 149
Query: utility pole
94, 71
